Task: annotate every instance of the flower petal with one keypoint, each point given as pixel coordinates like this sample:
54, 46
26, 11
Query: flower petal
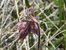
34, 28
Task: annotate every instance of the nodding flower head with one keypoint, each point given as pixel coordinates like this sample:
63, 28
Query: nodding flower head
25, 27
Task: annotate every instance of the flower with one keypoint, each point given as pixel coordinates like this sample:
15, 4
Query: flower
25, 27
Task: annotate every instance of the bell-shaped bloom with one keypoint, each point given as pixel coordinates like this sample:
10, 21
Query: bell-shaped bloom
25, 27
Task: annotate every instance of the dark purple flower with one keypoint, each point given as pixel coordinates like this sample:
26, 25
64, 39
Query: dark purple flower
25, 27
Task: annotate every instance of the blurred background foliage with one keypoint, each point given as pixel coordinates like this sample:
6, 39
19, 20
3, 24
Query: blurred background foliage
51, 16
